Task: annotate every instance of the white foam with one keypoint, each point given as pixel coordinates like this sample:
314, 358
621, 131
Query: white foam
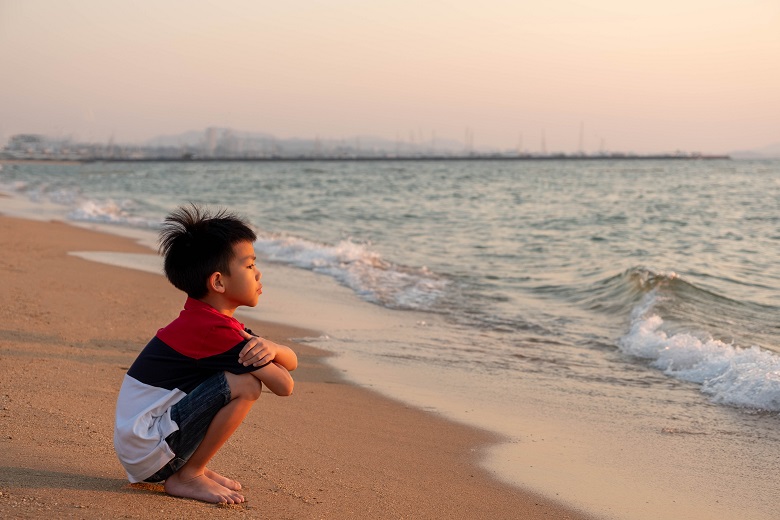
108, 211
359, 268
732, 375
42, 202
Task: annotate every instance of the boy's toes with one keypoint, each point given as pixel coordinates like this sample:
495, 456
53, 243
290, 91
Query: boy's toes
223, 481
236, 498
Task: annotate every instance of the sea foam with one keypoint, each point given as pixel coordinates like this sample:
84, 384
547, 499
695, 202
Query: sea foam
109, 211
359, 268
731, 375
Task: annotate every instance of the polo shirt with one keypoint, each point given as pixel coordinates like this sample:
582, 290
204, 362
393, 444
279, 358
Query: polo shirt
198, 344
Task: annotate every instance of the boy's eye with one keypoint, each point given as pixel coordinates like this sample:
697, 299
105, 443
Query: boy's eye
251, 266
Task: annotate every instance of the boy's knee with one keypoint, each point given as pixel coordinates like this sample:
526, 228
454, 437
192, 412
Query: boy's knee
244, 386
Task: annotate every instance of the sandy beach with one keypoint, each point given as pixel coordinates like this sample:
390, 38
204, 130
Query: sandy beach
72, 327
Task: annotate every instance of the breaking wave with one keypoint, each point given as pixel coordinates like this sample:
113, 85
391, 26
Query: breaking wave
356, 266
742, 376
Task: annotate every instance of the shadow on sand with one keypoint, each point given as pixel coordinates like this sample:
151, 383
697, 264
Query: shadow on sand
38, 479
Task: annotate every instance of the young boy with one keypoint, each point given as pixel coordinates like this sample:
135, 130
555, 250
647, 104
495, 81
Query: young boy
196, 380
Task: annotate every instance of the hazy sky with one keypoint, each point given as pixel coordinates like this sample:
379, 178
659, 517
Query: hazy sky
694, 75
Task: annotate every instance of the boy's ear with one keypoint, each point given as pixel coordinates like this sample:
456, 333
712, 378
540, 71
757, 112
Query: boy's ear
215, 282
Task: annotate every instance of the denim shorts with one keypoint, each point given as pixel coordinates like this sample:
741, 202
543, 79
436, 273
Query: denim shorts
193, 414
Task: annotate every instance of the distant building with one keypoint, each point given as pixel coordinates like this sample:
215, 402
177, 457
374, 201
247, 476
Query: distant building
211, 141
26, 143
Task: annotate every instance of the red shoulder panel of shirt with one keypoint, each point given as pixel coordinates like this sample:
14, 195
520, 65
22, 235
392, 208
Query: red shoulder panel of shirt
201, 331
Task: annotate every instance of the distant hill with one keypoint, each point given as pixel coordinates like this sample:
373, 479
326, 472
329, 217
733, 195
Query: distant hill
198, 137
771, 151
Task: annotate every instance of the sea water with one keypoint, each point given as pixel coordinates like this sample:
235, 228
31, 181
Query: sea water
633, 302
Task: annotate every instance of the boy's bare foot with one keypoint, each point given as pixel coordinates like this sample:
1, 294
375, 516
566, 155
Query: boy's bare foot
201, 487
222, 481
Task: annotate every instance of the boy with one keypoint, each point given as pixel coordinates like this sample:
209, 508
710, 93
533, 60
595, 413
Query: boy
196, 380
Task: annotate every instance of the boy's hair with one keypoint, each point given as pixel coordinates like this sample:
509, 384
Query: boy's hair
196, 244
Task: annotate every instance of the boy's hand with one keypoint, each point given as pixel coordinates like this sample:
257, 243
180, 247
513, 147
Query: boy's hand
257, 351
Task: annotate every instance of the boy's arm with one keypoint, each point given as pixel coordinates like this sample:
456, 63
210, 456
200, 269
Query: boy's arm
259, 351
286, 357
276, 378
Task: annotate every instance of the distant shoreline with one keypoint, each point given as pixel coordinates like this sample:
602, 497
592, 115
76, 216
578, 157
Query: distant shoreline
40, 161
475, 157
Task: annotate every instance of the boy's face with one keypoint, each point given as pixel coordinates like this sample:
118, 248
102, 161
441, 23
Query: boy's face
242, 286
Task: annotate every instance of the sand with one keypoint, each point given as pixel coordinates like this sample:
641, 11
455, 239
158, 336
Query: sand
70, 328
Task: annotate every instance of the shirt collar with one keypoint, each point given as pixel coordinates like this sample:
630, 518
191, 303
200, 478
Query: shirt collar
198, 306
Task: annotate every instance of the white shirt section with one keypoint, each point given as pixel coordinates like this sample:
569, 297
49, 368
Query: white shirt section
143, 421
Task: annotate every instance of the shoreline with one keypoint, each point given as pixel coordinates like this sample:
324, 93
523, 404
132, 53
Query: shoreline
369, 158
557, 437
339, 450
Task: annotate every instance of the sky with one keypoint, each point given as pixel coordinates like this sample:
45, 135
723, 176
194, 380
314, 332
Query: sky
560, 75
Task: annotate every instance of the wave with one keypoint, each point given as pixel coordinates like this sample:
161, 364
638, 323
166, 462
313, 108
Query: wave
682, 302
354, 265
110, 211
746, 377
358, 267
75, 206
616, 294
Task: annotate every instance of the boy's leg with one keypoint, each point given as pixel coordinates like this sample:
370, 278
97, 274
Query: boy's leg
194, 480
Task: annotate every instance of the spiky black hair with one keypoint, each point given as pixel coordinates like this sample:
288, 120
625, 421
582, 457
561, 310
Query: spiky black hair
196, 244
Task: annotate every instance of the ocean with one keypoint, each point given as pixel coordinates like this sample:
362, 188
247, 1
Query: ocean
619, 306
